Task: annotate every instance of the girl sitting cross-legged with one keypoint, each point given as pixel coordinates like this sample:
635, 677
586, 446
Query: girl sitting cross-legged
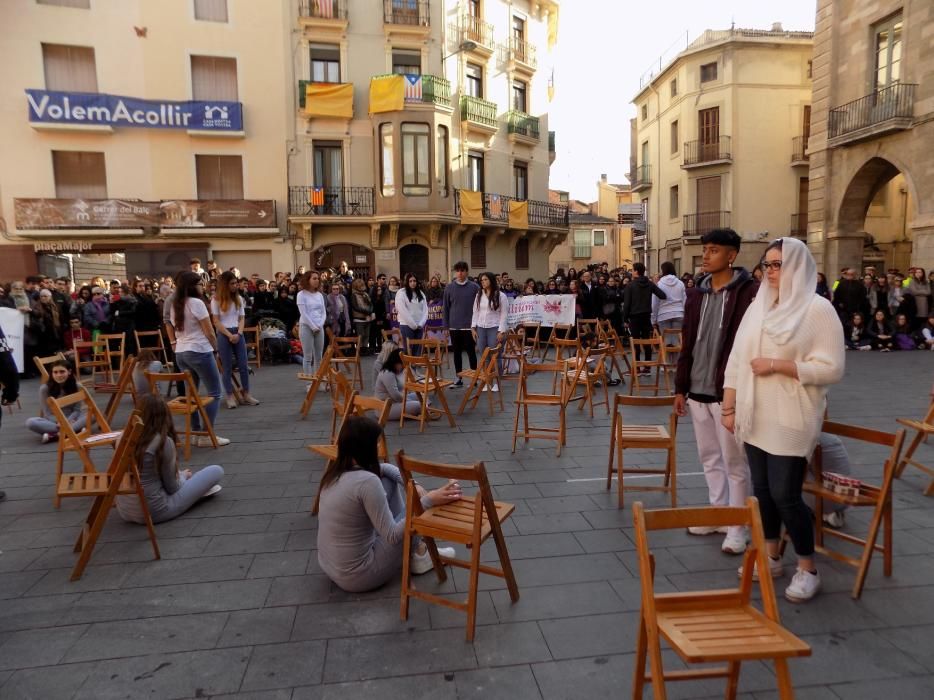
61, 383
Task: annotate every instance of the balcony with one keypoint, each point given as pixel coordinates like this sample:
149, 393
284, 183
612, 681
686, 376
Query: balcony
581, 251
409, 17
799, 225
640, 236
700, 153
541, 214
881, 112
642, 177
305, 200
697, 225
799, 150
522, 127
519, 55
474, 29
478, 114
323, 14
552, 154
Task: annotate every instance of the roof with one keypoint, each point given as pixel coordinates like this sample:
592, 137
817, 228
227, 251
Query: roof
575, 218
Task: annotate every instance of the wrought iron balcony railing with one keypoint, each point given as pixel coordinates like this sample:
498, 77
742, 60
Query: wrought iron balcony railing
474, 109
522, 124
476, 30
496, 210
642, 177
413, 13
895, 102
323, 9
799, 224
699, 152
799, 149
704, 222
305, 200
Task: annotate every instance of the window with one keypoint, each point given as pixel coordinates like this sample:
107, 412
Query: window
325, 63
415, 167
213, 78
708, 125
328, 167
474, 75
478, 251
673, 202
520, 177
473, 8
219, 177
69, 68
645, 153
80, 4
407, 61
518, 29
599, 237
387, 174
522, 254
888, 51
520, 101
810, 69
675, 137
708, 72
582, 243
211, 10
674, 87
645, 112
441, 161
475, 171
79, 175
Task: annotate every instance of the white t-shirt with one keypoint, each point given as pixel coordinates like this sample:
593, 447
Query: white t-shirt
231, 317
192, 338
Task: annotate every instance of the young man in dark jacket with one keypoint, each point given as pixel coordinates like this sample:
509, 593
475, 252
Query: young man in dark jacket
9, 378
637, 307
457, 307
712, 314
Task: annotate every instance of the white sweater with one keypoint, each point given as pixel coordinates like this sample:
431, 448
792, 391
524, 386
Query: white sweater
484, 316
413, 314
787, 413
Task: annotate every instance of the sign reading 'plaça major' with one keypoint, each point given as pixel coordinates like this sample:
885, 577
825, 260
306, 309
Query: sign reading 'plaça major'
53, 107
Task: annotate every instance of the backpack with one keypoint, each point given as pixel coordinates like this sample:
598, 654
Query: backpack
277, 349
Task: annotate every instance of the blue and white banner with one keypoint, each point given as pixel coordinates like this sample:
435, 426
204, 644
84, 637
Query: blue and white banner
53, 107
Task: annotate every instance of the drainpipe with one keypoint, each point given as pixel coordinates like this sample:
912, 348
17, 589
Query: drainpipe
658, 156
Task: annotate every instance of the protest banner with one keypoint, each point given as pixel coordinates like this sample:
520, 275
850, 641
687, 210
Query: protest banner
13, 323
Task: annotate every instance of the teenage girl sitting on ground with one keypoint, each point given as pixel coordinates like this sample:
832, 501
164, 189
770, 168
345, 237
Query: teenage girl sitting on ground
61, 383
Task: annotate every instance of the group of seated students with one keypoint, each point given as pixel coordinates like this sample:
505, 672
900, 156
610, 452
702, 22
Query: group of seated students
886, 335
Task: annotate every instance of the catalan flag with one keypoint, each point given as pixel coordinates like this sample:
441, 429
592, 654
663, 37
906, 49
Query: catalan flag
413, 88
317, 196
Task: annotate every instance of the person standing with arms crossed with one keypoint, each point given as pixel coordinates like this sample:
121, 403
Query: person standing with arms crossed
457, 305
712, 314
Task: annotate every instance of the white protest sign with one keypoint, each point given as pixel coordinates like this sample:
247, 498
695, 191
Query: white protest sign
546, 309
13, 323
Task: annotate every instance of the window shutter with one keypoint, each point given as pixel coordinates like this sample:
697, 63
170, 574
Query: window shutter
522, 254
219, 177
69, 68
214, 78
478, 251
79, 175
211, 10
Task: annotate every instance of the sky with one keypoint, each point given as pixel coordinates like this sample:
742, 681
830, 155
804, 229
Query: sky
603, 48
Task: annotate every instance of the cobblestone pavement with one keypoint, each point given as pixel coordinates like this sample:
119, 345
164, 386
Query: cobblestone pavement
238, 607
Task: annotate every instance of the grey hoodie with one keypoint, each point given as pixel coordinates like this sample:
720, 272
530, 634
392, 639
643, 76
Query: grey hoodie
673, 306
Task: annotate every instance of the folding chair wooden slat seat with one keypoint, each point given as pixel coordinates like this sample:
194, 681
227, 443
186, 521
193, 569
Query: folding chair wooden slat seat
923, 428
513, 349
709, 626
587, 325
153, 340
117, 391
638, 381
42, 364
672, 345
345, 355
428, 386
393, 335
617, 351
315, 380
93, 355
186, 406
588, 370
116, 345
565, 349
432, 348
478, 379
256, 345
80, 442
877, 497
526, 399
560, 331
643, 437
531, 332
470, 521
121, 479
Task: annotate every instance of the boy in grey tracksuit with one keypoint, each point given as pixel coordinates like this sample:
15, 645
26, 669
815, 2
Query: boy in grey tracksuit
458, 303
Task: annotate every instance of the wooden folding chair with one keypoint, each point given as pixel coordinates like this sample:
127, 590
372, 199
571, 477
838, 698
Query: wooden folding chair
924, 428
393, 335
482, 377
531, 331
587, 325
116, 344
512, 350
356, 405
526, 398
116, 391
469, 521
879, 498
189, 404
341, 393
617, 351
672, 345
121, 479
565, 349
716, 626
432, 348
346, 356
256, 345
80, 442
559, 331
587, 370
42, 364
315, 380
425, 387
624, 436
638, 381
93, 355
152, 340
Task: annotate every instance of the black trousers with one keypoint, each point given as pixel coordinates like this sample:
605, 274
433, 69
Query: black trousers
462, 341
777, 482
640, 326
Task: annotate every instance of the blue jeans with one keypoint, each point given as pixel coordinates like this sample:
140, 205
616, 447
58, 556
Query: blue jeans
407, 335
486, 338
203, 368
228, 352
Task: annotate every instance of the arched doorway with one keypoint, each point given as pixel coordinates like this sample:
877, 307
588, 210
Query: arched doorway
358, 258
878, 204
414, 258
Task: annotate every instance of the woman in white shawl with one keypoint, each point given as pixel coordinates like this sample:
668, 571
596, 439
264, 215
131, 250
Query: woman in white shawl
787, 351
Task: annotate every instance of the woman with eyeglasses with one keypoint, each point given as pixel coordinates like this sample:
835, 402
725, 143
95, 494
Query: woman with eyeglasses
785, 356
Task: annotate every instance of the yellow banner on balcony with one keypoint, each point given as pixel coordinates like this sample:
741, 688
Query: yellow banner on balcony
387, 93
329, 100
552, 28
518, 214
471, 207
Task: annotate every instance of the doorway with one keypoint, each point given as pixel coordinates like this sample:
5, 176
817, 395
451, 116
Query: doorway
414, 258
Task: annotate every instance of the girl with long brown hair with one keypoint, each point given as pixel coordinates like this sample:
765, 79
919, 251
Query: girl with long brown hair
312, 309
228, 311
169, 491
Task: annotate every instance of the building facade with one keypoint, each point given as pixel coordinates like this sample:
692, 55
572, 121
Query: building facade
720, 140
872, 165
137, 134
421, 136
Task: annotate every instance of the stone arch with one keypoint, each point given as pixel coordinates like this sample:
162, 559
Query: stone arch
863, 185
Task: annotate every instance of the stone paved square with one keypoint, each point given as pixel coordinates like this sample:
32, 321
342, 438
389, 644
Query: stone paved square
238, 608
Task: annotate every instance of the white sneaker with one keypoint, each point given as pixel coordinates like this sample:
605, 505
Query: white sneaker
205, 441
421, 563
495, 388
46, 438
775, 568
836, 519
804, 586
486, 387
734, 544
703, 530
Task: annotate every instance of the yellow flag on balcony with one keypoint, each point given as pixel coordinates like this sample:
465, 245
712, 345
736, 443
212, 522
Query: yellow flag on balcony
552, 28
387, 93
518, 214
329, 100
471, 207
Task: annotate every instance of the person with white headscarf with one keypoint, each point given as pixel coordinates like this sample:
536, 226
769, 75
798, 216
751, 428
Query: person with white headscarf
787, 351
